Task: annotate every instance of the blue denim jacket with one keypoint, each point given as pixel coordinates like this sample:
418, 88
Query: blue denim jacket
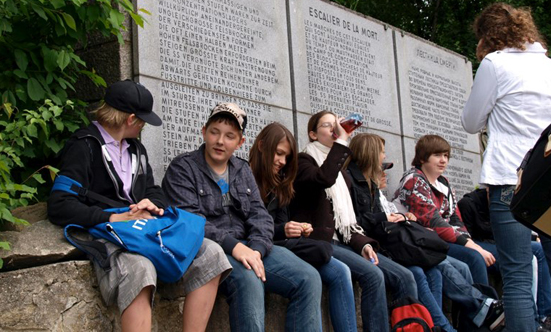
189, 185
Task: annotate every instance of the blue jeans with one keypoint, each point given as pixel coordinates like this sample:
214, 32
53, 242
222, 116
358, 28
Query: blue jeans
515, 262
429, 288
544, 278
473, 259
460, 290
372, 279
286, 275
336, 275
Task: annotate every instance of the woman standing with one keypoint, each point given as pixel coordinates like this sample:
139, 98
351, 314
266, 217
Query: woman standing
322, 198
273, 160
511, 95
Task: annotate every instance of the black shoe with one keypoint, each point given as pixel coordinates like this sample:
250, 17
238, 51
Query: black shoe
495, 318
546, 323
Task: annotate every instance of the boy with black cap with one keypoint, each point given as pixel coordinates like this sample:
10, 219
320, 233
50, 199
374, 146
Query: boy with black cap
107, 159
211, 181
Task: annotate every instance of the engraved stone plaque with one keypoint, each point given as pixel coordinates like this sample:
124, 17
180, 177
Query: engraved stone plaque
434, 86
236, 47
343, 62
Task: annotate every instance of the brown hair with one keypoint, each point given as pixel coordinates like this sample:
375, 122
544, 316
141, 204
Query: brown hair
314, 121
109, 116
226, 118
428, 145
500, 25
261, 159
366, 149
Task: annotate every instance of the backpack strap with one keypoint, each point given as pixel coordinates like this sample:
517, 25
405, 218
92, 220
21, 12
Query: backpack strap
65, 183
96, 250
403, 324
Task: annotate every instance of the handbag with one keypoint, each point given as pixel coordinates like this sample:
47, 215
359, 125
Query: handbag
314, 252
410, 244
170, 241
531, 203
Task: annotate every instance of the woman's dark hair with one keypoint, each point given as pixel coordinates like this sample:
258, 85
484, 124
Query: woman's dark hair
314, 122
261, 159
428, 145
500, 25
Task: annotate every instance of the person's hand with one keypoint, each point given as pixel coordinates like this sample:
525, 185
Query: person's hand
293, 229
394, 217
251, 259
411, 216
307, 229
140, 214
489, 259
370, 254
146, 204
339, 130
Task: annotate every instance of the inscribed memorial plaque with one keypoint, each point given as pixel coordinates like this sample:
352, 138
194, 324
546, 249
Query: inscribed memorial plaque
343, 62
434, 86
237, 47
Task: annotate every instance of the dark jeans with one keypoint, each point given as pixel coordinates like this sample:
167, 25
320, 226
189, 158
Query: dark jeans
372, 279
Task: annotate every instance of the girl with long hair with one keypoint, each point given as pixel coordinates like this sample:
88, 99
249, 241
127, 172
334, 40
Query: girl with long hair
273, 160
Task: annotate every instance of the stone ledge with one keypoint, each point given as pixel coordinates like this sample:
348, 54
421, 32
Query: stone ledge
65, 297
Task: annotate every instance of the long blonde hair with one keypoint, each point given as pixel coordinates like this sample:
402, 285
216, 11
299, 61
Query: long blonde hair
366, 152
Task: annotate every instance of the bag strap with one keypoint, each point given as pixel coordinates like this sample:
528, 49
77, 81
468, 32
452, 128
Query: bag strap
97, 250
406, 321
65, 183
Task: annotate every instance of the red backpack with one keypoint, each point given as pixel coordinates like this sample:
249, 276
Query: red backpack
408, 315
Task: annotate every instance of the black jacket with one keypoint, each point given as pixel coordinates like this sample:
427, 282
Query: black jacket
83, 161
367, 205
310, 203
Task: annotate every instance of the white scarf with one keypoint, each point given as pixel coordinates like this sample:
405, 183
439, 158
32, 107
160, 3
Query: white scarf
343, 210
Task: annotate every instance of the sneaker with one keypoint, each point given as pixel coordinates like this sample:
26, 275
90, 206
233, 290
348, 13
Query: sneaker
546, 323
495, 318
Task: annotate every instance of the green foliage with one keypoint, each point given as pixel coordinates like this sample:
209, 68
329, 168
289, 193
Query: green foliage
446, 23
38, 73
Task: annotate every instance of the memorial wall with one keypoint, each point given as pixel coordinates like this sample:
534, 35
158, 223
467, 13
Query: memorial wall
284, 60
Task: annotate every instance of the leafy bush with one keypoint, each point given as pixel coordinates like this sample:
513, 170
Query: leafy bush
38, 71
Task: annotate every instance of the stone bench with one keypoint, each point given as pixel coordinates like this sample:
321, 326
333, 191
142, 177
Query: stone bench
48, 285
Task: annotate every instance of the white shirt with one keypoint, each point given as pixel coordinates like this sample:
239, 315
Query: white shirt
511, 95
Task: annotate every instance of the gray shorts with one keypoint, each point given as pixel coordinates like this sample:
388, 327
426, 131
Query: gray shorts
130, 273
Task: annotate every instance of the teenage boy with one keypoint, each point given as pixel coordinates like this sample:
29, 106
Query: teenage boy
107, 159
211, 181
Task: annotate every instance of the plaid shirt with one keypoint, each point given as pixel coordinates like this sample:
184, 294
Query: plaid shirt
432, 208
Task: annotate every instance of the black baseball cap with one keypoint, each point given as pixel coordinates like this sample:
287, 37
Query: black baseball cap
131, 97
388, 165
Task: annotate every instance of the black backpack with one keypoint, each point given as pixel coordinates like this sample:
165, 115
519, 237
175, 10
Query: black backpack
532, 199
476, 215
409, 243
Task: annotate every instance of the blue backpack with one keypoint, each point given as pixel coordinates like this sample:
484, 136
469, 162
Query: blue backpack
170, 241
